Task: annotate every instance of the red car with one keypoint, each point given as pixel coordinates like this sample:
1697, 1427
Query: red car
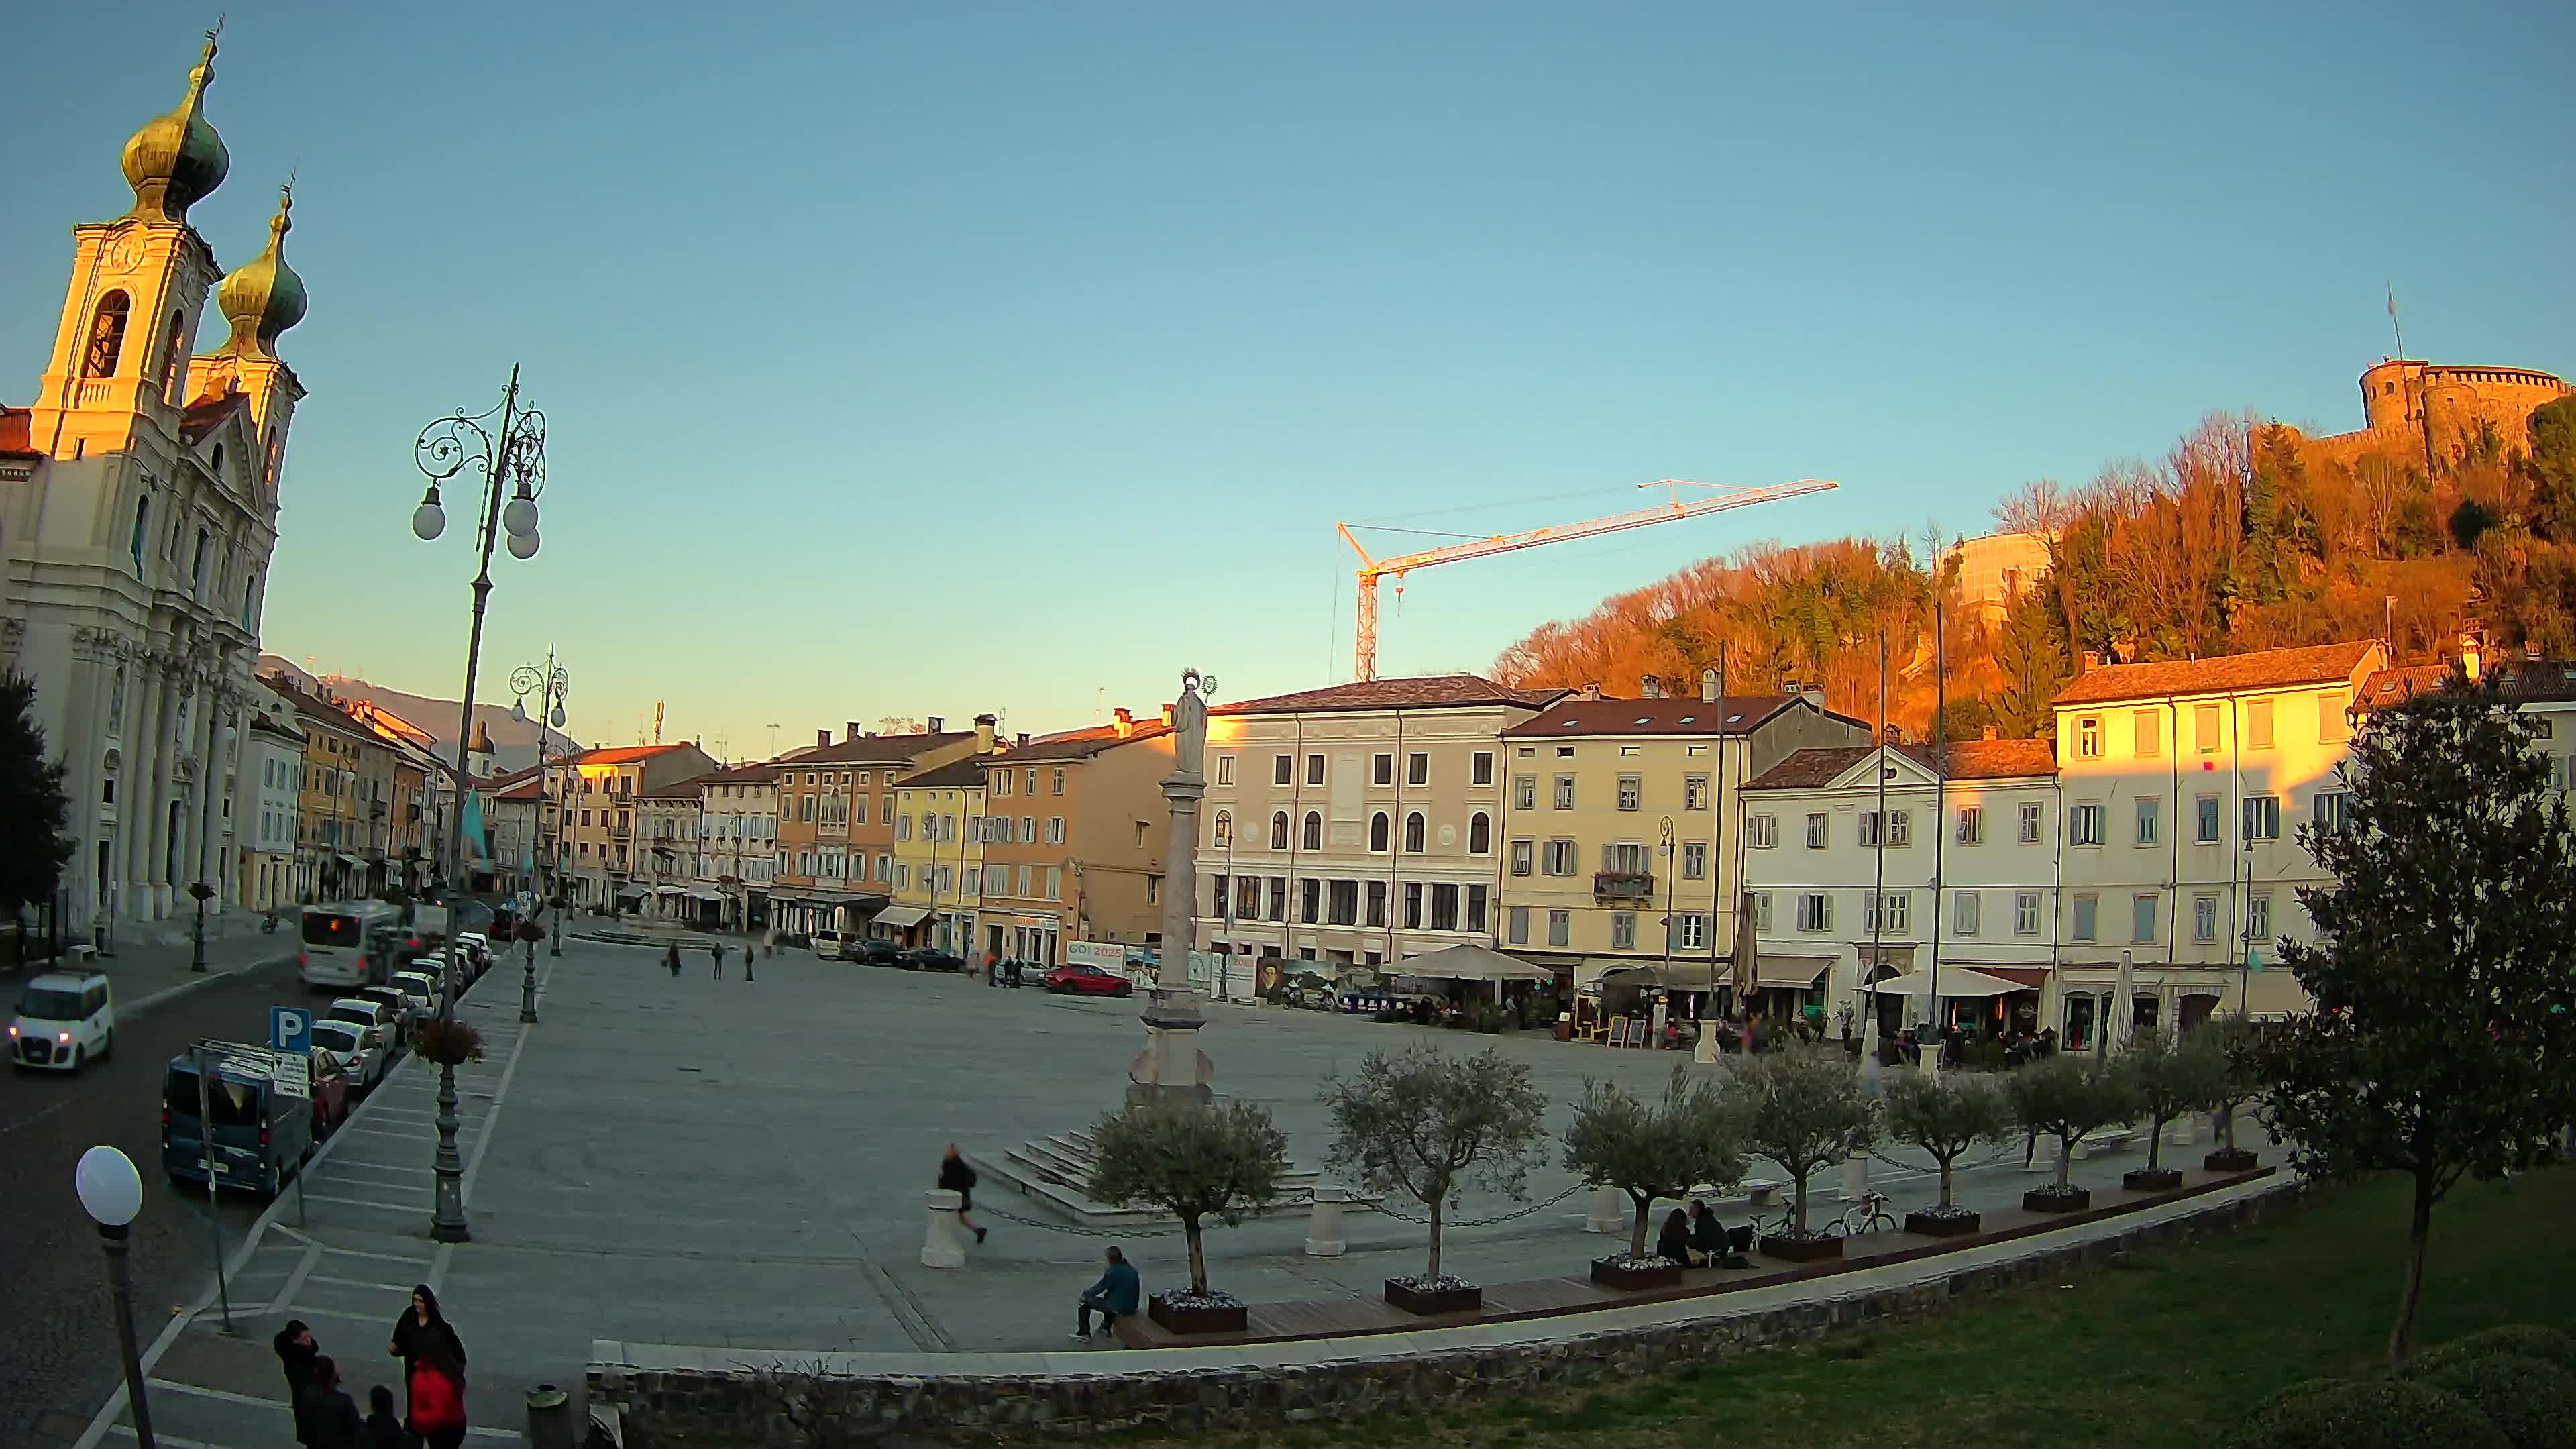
1088, 981
330, 1088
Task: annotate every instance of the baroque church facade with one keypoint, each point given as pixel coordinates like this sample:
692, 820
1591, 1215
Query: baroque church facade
138, 511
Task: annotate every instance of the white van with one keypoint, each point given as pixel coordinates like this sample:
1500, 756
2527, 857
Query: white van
828, 945
335, 942
66, 1019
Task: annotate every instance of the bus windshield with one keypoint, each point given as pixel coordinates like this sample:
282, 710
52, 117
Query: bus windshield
321, 928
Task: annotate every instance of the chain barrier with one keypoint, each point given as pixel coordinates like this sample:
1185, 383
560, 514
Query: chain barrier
1514, 1214
986, 1209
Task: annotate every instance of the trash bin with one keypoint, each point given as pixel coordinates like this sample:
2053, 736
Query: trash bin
1565, 1026
549, 1418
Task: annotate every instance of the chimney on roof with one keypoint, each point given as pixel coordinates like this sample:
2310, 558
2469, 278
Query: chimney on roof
822, 738
1991, 733
2469, 657
1650, 687
1592, 689
1708, 686
1124, 723
1021, 738
849, 730
934, 725
984, 724
2092, 660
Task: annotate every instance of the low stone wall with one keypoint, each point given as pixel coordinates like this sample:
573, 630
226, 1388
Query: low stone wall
694, 1398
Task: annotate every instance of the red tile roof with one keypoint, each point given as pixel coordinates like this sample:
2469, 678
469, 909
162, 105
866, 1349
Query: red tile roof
1965, 760
207, 414
764, 772
623, 754
17, 434
873, 749
1430, 691
1079, 744
2224, 674
1575, 716
2533, 680
524, 790
965, 774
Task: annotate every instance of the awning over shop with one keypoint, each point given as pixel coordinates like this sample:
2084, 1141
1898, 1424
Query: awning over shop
1685, 975
1956, 981
2023, 978
1468, 961
1793, 973
705, 893
900, 917
632, 893
347, 859
666, 890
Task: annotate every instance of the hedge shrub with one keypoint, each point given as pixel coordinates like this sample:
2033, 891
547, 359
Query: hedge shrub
2531, 1400
2366, 1414
2528, 1340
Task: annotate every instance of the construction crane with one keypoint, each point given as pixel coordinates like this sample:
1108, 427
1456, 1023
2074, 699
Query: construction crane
1371, 570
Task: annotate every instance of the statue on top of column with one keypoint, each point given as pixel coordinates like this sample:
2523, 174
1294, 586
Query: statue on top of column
1189, 722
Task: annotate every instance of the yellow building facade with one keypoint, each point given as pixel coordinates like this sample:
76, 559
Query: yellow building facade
938, 857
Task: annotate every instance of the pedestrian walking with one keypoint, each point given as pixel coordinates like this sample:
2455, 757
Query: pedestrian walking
421, 1329
955, 1176
746, 965
671, 958
720, 962
296, 1353
325, 1417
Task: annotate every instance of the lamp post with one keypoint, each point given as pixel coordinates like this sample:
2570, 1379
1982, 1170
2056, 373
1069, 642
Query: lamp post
197, 954
111, 1192
511, 455
550, 685
1672, 868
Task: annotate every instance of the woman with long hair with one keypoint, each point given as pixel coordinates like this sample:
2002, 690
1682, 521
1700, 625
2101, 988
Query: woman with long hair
433, 1365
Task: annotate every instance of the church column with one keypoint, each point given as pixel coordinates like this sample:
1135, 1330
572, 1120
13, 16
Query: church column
166, 747
134, 789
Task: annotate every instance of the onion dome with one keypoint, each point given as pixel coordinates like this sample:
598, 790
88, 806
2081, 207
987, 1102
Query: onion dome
177, 159
263, 296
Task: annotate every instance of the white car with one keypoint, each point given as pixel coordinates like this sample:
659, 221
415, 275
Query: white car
406, 1011
376, 1016
357, 1050
65, 1020
422, 988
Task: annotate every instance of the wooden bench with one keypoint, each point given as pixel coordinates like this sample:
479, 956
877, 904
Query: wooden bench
2103, 1143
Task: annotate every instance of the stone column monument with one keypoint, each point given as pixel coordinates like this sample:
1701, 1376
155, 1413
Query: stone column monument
1172, 1066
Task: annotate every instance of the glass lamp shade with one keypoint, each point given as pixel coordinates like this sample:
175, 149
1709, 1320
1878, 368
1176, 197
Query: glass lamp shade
558, 720
520, 516
111, 1191
524, 545
428, 521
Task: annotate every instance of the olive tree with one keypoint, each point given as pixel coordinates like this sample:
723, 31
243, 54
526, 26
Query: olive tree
1802, 1108
2236, 1040
2173, 1078
1194, 1161
1650, 1150
1945, 1116
2065, 1097
2441, 1044
1428, 1124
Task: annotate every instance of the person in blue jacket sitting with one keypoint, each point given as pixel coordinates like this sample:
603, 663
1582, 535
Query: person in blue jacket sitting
1113, 1297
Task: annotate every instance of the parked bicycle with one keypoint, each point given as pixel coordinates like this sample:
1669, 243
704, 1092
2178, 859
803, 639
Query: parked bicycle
1872, 1214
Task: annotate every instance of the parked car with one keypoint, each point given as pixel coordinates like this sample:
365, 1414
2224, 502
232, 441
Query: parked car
406, 1010
65, 1019
260, 1135
359, 1051
876, 952
830, 946
422, 988
1086, 980
330, 1087
475, 950
376, 1016
929, 958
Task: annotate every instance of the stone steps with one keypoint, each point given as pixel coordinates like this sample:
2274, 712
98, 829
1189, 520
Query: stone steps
1055, 1170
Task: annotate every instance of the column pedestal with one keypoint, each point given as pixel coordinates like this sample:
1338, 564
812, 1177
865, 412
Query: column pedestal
1609, 1213
1324, 1229
942, 1245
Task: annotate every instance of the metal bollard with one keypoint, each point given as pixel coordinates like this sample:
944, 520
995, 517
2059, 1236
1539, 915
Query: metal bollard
942, 1245
549, 1418
1324, 1229
1609, 1212
1856, 1177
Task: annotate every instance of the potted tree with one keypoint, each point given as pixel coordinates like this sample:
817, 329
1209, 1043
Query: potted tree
1428, 1124
2236, 1040
2065, 1097
1803, 1108
2170, 1078
1945, 1116
1195, 1162
1651, 1150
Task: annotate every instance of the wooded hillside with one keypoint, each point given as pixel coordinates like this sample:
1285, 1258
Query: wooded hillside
2244, 536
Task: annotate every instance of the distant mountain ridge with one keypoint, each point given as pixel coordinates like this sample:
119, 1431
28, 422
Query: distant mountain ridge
514, 740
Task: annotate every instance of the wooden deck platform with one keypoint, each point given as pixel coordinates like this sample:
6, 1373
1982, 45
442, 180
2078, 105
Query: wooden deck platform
1355, 1315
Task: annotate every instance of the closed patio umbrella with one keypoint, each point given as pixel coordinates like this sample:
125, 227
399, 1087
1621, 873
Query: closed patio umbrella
2124, 1013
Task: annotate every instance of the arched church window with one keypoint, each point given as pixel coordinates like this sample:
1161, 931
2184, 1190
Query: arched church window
197, 567
219, 462
106, 335
170, 358
142, 516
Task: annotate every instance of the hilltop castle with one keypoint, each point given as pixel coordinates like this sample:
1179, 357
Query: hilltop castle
2420, 411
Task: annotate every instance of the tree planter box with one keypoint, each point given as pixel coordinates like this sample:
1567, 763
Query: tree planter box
1613, 1273
1803, 1250
2230, 1159
1404, 1295
1198, 1317
2151, 1179
1934, 1225
2045, 1200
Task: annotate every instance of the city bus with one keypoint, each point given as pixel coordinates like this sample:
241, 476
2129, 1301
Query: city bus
336, 940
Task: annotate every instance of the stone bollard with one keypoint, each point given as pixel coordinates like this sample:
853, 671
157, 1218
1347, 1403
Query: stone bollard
1609, 1212
944, 1246
549, 1418
2181, 1130
1856, 1177
1324, 1229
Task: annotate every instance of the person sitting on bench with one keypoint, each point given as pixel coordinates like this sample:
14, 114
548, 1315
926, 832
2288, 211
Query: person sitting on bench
1113, 1297
1707, 1239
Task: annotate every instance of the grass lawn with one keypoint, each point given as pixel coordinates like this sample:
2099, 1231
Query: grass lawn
2168, 1350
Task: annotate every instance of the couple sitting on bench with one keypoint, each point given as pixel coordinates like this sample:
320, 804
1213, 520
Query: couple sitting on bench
1696, 1238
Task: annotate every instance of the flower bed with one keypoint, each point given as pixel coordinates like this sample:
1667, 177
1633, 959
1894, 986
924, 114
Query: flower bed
2230, 1159
1801, 1247
1443, 1294
1187, 1312
1933, 1222
2055, 1200
1646, 1272
2151, 1179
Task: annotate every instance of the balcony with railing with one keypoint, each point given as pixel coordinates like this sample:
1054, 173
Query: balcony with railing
1623, 885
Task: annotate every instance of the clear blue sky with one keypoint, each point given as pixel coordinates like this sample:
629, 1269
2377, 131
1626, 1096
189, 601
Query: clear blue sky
925, 359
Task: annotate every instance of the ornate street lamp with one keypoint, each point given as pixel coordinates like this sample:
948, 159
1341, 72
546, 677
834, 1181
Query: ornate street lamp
507, 446
111, 1192
550, 684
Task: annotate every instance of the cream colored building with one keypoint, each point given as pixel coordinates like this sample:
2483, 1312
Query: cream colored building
938, 857
667, 822
1358, 824
1075, 826
1620, 831
2185, 784
595, 792
738, 847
